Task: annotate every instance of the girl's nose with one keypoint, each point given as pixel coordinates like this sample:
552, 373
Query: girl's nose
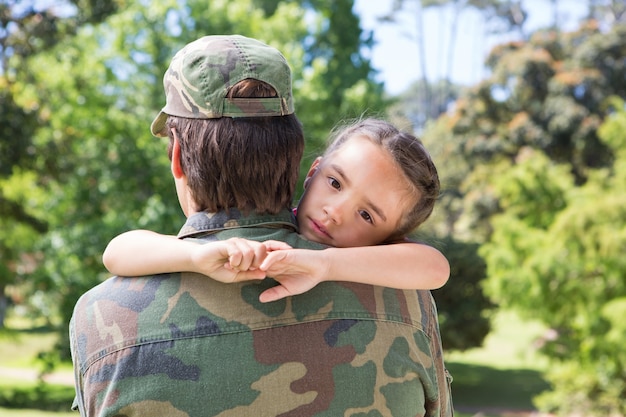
333, 213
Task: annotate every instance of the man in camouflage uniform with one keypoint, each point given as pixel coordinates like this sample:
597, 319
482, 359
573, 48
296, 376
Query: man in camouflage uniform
184, 344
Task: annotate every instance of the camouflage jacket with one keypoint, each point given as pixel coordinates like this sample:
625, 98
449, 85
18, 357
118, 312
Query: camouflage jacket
183, 344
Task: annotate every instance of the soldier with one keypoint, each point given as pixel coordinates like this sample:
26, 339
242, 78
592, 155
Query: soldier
373, 186
183, 344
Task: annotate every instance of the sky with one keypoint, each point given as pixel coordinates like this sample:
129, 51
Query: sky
395, 54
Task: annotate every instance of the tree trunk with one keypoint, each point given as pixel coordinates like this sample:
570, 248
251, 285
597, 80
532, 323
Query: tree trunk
421, 47
456, 11
4, 305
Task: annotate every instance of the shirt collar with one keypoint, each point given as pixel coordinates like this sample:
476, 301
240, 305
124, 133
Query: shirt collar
203, 223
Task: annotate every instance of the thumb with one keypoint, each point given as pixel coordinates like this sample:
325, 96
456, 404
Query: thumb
274, 294
273, 245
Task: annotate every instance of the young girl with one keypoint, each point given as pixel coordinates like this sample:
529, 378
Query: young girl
372, 187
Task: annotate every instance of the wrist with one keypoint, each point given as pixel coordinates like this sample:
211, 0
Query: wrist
326, 264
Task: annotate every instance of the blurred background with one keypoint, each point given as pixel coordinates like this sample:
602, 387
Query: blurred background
521, 104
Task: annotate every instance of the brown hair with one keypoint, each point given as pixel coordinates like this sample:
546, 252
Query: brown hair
410, 156
248, 163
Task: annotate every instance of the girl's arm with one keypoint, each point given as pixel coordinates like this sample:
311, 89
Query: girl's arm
399, 265
142, 252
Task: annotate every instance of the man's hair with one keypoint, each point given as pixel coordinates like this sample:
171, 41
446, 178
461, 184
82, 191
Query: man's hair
410, 156
248, 163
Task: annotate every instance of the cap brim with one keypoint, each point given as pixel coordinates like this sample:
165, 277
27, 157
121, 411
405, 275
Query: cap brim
158, 125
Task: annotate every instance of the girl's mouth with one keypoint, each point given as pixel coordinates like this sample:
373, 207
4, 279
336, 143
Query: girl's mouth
319, 229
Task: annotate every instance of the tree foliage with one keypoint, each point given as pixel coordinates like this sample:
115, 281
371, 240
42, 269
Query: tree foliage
463, 308
428, 98
536, 156
25, 169
563, 264
82, 165
547, 94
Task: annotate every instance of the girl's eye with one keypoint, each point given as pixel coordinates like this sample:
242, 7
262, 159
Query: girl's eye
334, 183
366, 216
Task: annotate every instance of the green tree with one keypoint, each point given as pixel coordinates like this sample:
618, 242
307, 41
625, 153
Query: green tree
26, 29
547, 94
499, 17
463, 308
336, 81
537, 180
99, 171
415, 106
556, 254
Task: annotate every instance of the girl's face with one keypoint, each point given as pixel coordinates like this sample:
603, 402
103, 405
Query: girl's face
356, 196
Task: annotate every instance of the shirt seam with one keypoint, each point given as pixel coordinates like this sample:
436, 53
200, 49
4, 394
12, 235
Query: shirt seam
261, 325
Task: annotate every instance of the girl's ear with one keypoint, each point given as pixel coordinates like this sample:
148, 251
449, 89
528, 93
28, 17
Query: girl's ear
177, 169
312, 171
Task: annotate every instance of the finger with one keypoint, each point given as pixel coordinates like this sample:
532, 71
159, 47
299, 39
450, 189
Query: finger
242, 254
273, 245
234, 256
260, 254
253, 274
271, 259
274, 294
253, 254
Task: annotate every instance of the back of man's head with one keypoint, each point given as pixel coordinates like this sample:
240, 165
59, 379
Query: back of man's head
229, 101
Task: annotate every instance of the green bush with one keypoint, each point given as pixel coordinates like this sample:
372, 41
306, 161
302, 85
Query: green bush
39, 396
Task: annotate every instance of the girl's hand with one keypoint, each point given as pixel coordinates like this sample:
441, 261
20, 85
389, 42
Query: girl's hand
296, 270
233, 260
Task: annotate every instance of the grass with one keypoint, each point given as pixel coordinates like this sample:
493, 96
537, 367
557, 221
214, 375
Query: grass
20, 348
504, 374
497, 380
21, 343
478, 386
9, 412
45, 399
510, 345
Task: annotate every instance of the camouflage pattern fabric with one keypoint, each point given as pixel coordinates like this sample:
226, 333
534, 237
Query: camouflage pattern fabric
200, 75
183, 344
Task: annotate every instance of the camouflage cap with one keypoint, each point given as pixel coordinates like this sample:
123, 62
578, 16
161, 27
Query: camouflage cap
200, 75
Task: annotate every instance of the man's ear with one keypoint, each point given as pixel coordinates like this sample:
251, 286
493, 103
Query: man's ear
312, 171
177, 169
